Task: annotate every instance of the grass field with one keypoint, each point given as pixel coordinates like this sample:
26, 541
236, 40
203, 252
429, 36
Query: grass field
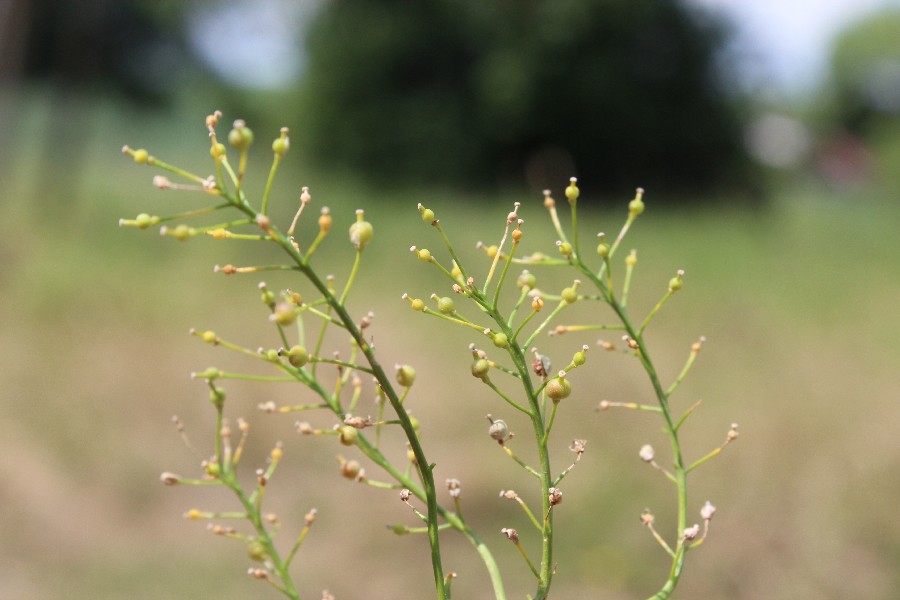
797, 302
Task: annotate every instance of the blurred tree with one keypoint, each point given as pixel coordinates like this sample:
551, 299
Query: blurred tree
131, 45
865, 81
865, 72
476, 92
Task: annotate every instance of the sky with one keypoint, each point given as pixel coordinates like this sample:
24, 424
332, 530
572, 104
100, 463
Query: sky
785, 44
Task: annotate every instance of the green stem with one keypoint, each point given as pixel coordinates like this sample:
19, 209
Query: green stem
671, 430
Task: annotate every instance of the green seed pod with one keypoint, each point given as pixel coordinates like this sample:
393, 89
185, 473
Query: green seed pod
141, 156
416, 424
281, 146
418, 304
298, 356
570, 295
481, 368
558, 389
446, 305
572, 192
424, 255
603, 250
565, 248
456, 272
271, 355
217, 150
677, 282
579, 358
181, 232
285, 314
360, 234
241, 136
406, 375
636, 206
492, 250
143, 221
213, 469
209, 337
427, 214
500, 340
348, 435
399, 529
210, 373
526, 280
268, 298
256, 550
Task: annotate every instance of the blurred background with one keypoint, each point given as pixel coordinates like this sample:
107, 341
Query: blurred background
767, 135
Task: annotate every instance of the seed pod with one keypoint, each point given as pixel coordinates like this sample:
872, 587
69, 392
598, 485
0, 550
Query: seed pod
481, 368
298, 356
348, 435
256, 550
558, 389
361, 234
526, 279
499, 430
406, 375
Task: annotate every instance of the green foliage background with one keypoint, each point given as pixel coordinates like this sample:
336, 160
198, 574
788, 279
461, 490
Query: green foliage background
477, 94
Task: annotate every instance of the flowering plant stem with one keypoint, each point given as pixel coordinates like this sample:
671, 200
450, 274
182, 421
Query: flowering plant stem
662, 397
539, 395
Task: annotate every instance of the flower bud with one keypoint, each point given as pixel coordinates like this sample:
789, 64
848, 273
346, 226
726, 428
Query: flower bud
565, 248
570, 295
646, 453
677, 282
325, 220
